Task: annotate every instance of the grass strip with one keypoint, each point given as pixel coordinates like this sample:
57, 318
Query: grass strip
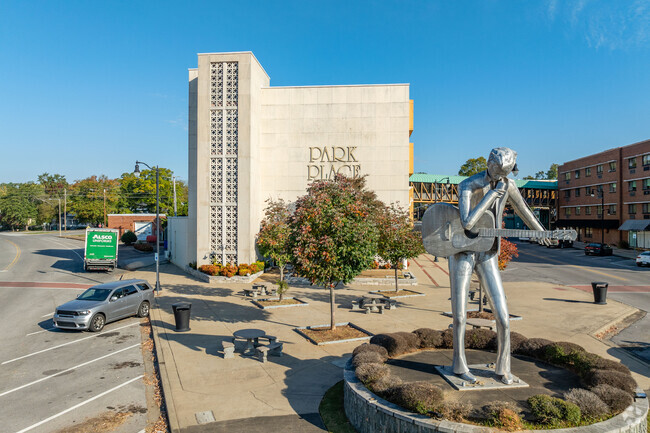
332, 411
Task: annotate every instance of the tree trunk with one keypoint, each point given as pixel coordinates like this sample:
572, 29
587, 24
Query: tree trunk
333, 322
396, 285
281, 278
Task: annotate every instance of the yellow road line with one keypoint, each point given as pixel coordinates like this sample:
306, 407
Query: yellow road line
575, 266
13, 262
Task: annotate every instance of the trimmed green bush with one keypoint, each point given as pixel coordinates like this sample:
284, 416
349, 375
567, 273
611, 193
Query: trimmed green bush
613, 378
365, 347
551, 410
128, 237
429, 338
369, 373
420, 397
447, 339
589, 403
481, 339
533, 347
516, 340
394, 344
617, 400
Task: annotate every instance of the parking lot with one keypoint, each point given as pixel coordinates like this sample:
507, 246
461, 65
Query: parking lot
63, 381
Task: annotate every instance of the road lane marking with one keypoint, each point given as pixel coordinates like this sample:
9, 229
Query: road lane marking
47, 315
33, 426
584, 268
67, 247
13, 262
39, 332
41, 288
66, 370
64, 344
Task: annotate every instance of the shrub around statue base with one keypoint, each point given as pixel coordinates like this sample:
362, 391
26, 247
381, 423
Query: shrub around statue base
607, 390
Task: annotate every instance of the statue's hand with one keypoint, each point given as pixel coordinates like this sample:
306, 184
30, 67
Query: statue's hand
500, 189
546, 242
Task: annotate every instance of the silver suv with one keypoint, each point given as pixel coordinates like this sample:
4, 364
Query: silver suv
105, 303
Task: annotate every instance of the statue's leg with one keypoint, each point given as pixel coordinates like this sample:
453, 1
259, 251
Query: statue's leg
488, 273
461, 266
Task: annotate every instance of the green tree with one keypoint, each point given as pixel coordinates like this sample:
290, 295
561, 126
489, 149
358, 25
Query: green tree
138, 193
19, 204
86, 198
332, 236
552, 171
550, 174
397, 239
473, 166
274, 237
54, 187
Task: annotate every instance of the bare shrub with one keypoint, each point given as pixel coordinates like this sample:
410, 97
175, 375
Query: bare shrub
617, 400
429, 338
369, 373
455, 410
365, 347
394, 344
383, 384
481, 339
589, 403
613, 378
420, 397
532, 347
516, 340
367, 358
600, 363
412, 340
447, 339
503, 414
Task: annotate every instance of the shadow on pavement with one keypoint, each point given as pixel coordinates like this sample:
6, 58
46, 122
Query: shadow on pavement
572, 301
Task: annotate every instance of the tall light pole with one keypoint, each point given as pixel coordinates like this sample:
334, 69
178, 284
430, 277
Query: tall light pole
137, 174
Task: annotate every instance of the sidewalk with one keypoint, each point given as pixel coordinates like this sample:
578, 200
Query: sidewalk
244, 395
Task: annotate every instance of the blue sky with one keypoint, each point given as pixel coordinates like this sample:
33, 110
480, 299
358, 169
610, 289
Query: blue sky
88, 87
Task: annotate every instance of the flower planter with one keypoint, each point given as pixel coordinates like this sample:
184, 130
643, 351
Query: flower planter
258, 304
351, 325
221, 279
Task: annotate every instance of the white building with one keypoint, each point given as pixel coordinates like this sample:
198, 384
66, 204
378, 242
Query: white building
249, 141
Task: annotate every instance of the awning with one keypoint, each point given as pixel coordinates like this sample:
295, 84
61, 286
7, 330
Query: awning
635, 225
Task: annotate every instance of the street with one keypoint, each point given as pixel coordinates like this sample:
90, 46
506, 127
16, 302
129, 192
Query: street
54, 380
628, 283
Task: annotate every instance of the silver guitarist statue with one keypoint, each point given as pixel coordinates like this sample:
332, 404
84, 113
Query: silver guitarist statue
456, 233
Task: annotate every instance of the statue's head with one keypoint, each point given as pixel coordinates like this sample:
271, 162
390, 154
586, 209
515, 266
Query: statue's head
501, 162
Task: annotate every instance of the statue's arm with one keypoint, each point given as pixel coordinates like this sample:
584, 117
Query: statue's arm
469, 217
521, 208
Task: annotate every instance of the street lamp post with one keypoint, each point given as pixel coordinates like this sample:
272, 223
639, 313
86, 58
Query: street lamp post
137, 173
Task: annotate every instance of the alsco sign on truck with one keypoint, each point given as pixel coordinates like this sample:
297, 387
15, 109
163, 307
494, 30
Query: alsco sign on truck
101, 249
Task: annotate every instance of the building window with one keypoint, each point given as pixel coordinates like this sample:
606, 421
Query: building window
632, 186
577, 192
646, 184
577, 174
589, 190
599, 169
631, 163
612, 187
587, 171
646, 159
578, 210
567, 211
588, 210
567, 176
612, 166
612, 209
588, 232
567, 193
599, 210
631, 209
646, 208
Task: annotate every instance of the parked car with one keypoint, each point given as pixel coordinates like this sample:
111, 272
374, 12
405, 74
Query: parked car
598, 250
105, 303
557, 243
643, 259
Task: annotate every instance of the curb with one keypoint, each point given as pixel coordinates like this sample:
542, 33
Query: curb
174, 425
622, 318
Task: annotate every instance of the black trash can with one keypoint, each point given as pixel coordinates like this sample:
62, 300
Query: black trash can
600, 292
182, 316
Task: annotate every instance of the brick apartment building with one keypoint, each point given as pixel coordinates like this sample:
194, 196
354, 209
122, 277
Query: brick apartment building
616, 179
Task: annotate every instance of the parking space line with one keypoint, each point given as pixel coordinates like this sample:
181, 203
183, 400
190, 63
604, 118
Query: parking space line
64, 344
66, 370
33, 426
47, 315
38, 332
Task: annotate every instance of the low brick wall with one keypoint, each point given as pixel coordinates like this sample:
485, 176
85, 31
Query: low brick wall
369, 413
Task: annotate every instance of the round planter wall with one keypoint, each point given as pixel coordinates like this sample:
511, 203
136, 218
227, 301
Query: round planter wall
368, 413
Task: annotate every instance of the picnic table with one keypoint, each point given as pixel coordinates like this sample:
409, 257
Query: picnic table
252, 337
373, 303
259, 290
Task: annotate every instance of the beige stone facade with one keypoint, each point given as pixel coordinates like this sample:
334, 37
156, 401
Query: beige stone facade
249, 141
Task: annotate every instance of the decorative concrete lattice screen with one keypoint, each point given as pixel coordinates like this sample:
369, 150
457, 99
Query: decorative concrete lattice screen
224, 81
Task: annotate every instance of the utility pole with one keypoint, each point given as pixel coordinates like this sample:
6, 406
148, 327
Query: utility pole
59, 216
174, 182
65, 208
104, 207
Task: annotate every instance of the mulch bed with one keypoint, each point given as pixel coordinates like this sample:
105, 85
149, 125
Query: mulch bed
342, 332
480, 315
399, 293
272, 303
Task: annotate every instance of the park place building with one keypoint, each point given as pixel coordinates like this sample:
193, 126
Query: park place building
249, 142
